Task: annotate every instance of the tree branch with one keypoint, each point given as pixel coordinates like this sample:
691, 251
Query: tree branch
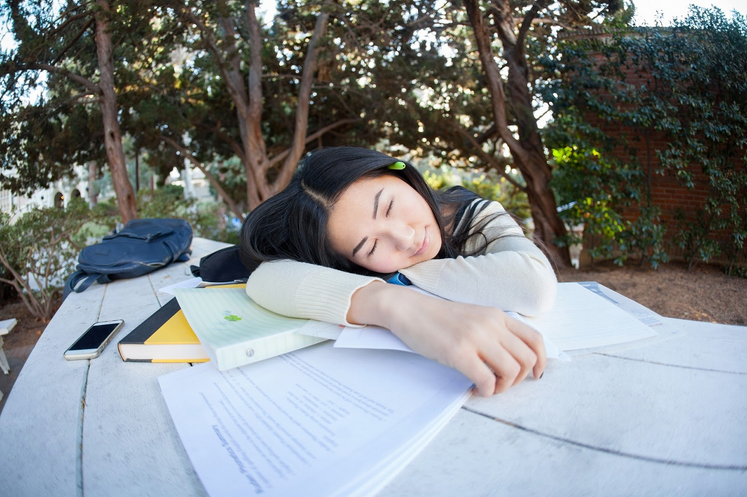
527, 22
212, 179
223, 136
21, 286
302, 111
67, 21
279, 157
494, 164
38, 66
256, 149
495, 82
73, 41
208, 37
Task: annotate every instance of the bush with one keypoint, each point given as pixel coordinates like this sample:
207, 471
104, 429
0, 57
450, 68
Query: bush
39, 251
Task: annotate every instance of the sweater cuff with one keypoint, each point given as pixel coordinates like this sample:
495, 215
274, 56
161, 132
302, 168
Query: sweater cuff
327, 297
426, 275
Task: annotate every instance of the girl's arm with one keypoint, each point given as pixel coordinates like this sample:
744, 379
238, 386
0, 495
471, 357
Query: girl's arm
490, 348
517, 278
302, 290
512, 274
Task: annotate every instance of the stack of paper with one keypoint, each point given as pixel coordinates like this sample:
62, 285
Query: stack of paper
317, 422
329, 421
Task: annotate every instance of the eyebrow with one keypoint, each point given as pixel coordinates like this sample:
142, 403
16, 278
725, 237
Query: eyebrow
375, 210
376, 203
360, 245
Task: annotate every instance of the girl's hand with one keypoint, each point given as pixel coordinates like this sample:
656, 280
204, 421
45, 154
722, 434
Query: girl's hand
490, 348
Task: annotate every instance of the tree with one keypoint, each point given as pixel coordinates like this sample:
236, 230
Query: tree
513, 22
318, 75
472, 98
62, 44
227, 38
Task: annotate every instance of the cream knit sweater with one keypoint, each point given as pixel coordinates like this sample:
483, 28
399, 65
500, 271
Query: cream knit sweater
511, 274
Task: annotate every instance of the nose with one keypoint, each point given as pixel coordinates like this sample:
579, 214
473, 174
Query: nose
402, 236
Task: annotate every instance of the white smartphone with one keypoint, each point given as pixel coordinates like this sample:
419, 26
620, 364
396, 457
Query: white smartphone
92, 342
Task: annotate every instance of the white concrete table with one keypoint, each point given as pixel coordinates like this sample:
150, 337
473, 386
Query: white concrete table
664, 418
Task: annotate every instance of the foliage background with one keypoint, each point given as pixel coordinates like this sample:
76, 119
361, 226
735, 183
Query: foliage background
403, 76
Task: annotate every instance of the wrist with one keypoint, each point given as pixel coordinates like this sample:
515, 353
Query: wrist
377, 304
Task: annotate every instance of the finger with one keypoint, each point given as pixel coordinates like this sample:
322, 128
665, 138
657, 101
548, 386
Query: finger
480, 374
505, 367
521, 353
533, 339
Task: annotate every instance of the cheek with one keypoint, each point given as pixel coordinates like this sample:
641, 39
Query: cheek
385, 262
438, 242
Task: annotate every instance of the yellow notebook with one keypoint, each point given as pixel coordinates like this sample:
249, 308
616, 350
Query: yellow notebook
164, 337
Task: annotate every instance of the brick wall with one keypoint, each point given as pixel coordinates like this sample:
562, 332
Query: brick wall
666, 191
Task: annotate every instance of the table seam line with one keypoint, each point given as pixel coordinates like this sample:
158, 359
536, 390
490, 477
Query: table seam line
83, 402
668, 364
153, 288
82, 419
668, 462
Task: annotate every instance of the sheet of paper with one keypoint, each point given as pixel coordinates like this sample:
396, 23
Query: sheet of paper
316, 422
581, 319
320, 329
638, 311
374, 337
551, 349
189, 283
370, 337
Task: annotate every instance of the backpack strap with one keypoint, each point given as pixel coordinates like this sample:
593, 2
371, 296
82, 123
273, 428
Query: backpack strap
72, 282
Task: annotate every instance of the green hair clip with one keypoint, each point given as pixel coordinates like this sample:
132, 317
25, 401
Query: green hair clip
397, 166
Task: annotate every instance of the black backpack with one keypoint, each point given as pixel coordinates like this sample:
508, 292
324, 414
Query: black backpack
141, 247
223, 266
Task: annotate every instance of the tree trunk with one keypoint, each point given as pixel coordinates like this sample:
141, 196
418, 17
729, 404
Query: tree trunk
249, 104
527, 151
93, 195
109, 108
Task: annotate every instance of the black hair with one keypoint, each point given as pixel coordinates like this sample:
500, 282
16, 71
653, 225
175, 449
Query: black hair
293, 223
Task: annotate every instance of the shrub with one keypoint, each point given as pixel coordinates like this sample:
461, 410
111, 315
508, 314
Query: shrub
39, 251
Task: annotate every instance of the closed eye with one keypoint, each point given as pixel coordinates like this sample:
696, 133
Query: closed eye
373, 249
389, 209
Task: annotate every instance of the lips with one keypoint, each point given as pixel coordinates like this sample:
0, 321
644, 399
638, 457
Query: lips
424, 246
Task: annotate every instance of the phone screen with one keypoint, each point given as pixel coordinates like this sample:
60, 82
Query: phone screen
94, 337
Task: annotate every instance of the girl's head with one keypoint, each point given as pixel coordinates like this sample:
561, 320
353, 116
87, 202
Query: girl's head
346, 208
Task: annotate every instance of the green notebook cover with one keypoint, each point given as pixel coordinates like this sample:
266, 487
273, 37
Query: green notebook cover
235, 331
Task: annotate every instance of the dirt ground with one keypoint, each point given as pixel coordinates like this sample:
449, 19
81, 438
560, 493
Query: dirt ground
18, 343
703, 294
